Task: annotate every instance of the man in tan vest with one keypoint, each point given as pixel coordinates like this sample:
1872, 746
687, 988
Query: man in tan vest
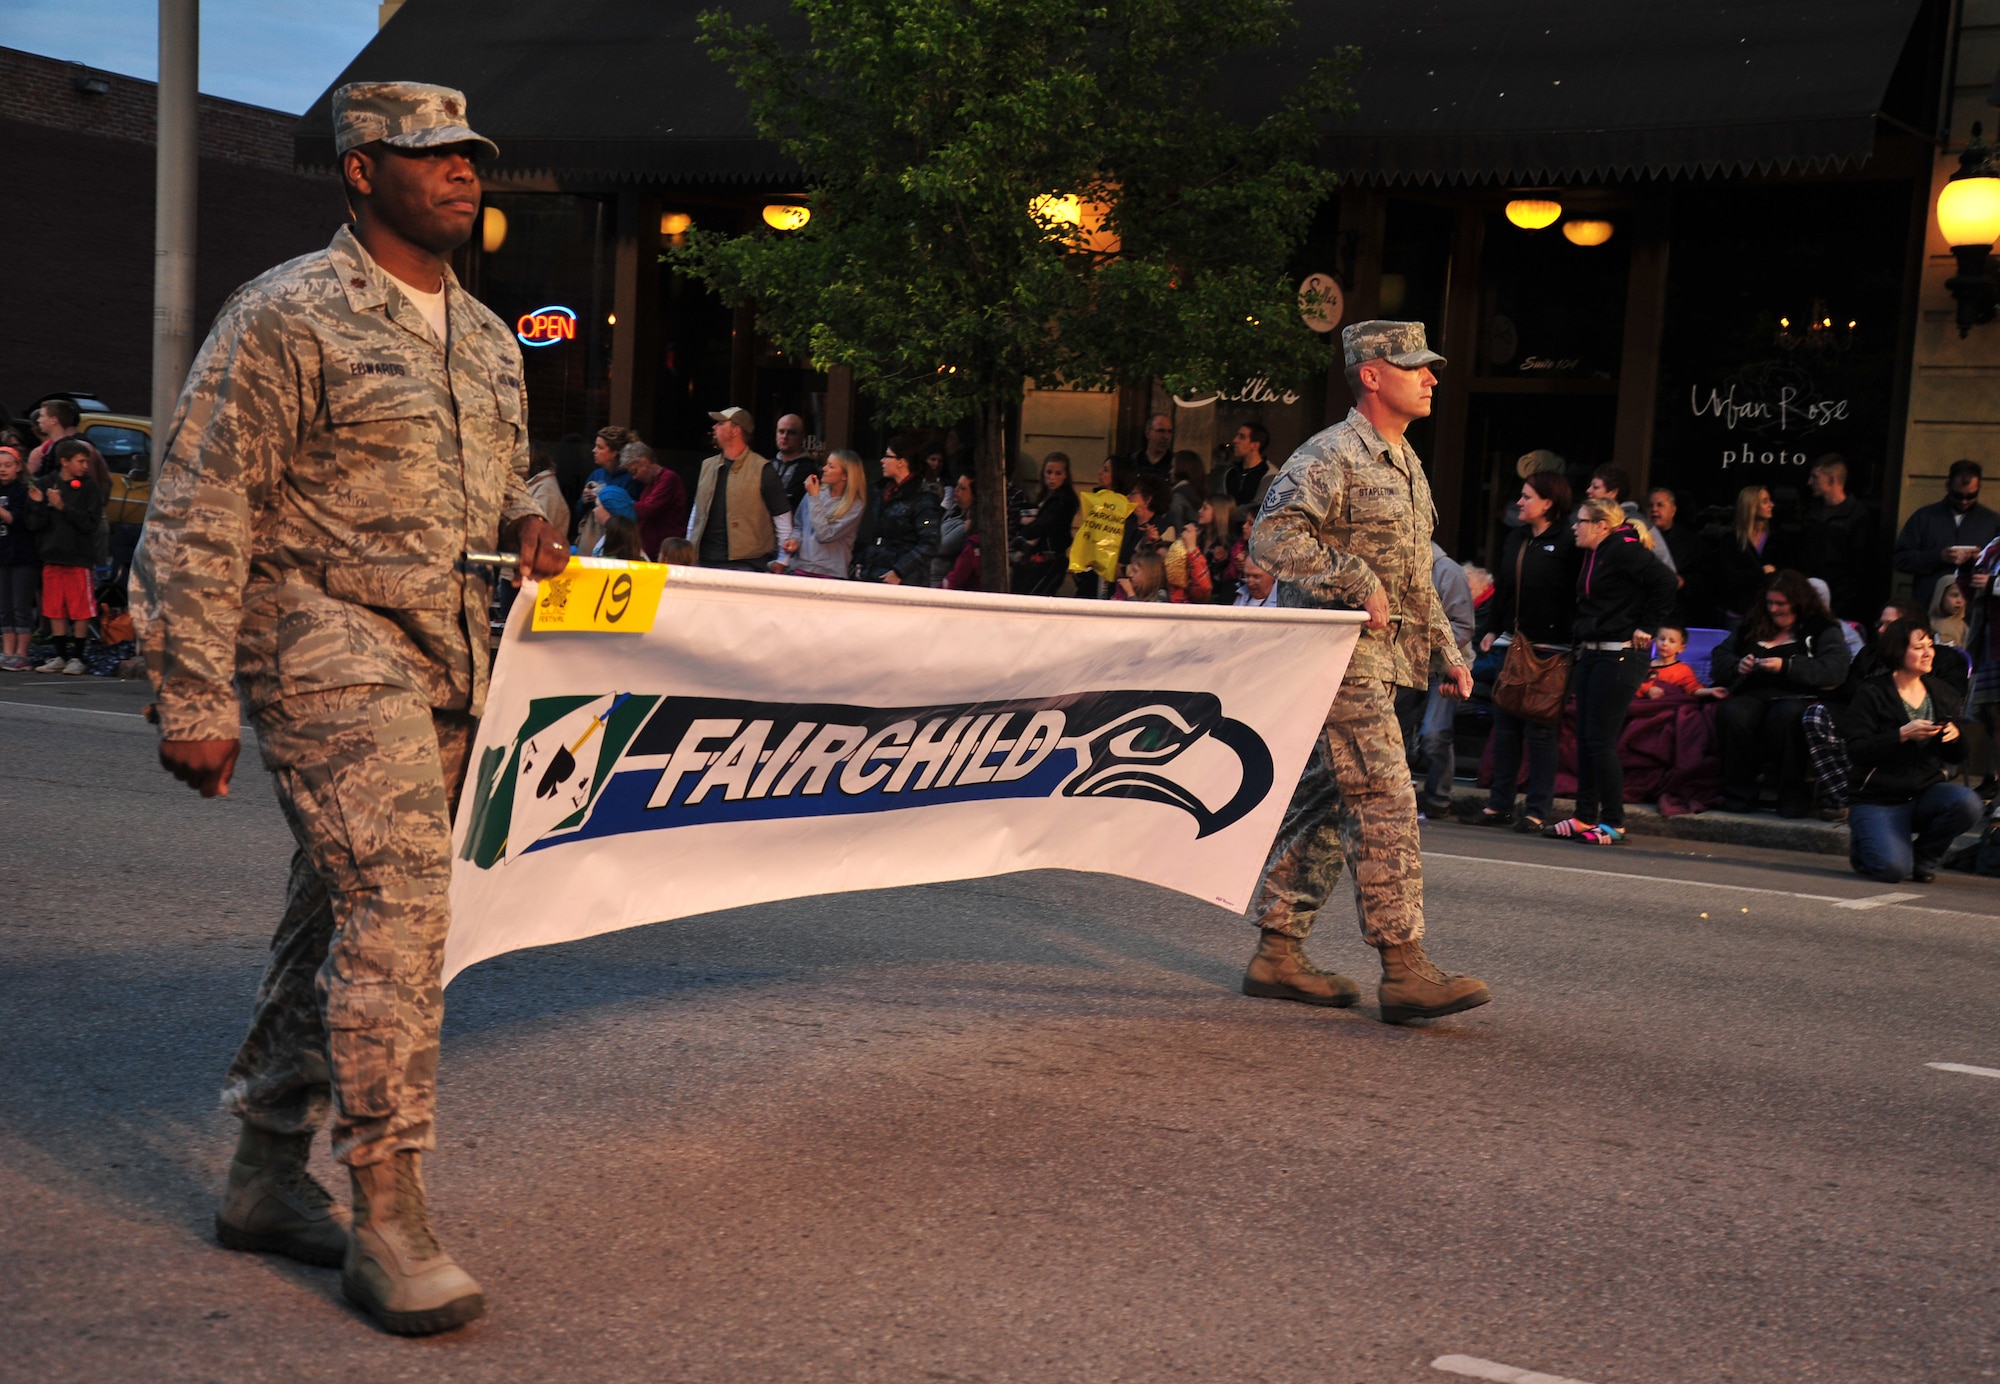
739, 518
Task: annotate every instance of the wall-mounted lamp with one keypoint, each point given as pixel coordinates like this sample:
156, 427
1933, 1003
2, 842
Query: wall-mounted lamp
90, 84
492, 229
1968, 213
783, 216
1533, 213
1587, 232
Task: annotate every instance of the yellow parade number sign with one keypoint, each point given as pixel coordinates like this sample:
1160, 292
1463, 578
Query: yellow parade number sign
601, 594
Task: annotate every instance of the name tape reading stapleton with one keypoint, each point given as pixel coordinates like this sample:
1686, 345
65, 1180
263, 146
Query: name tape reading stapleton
582, 767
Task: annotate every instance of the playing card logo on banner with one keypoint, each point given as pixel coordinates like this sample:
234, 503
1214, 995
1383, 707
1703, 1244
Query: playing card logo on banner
582, 769
557, 768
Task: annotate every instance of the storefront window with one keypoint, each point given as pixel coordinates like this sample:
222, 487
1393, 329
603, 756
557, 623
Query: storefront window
1551, 309
544, 265
1783, 309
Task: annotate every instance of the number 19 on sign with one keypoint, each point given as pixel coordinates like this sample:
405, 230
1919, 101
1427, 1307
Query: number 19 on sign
600, 594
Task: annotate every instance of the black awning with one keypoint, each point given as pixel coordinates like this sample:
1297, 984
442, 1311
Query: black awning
1480, 90
1448, 90
612, 90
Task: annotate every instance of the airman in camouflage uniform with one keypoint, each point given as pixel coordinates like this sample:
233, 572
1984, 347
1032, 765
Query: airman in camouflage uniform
1347, 524
331, 459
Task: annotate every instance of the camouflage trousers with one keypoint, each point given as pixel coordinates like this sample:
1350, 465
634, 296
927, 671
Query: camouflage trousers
1354, 800
347, 1017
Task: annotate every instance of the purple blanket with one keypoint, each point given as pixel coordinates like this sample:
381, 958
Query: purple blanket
1668, 749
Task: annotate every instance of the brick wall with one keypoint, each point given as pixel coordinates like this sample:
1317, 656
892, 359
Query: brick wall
43, 91
78, 242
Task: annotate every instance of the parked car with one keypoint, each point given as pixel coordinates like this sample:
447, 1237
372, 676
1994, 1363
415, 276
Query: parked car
86, 400
125, 441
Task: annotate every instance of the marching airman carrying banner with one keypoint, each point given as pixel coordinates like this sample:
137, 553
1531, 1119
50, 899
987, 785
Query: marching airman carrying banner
771, 737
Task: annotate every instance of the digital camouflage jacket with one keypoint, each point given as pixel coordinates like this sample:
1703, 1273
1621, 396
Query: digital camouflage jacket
327, 465
1349, 514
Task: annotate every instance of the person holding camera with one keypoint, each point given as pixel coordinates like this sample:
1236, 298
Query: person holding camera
1902, 730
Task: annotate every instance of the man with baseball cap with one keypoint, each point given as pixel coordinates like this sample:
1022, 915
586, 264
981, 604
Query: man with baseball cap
1347, 524
355, 422
739, 518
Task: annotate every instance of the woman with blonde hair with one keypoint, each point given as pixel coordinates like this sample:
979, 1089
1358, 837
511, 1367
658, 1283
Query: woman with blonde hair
828, 519
1145, 578
1749, 557
1623, 595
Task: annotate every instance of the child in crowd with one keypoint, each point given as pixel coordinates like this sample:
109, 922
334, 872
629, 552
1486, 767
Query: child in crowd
1479, 582
679, 552
64, 518
20, 566
1669, 644
1145, 578
1215, 523
1948, 614
1187, 573
617, 516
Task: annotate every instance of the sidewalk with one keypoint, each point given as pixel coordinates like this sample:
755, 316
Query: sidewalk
1764, 829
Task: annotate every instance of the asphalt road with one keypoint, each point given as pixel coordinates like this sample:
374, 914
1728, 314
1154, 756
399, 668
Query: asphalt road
1025, 1128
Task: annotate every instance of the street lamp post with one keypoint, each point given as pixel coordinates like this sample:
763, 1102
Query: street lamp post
1968, 213
174, 211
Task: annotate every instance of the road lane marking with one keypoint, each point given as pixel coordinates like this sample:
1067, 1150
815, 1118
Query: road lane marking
1876, 900
86, 710
91, 711
1692, 884
1642, 879
1968, 1071
1472, 1367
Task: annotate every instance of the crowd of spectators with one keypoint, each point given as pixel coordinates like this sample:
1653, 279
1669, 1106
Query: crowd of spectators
1889, 725
1802, 707
1606, 590
54, 539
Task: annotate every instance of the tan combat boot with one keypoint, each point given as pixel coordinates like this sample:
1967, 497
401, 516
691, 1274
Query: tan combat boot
1280, 971
1414, 988
274, 1206
396, 1271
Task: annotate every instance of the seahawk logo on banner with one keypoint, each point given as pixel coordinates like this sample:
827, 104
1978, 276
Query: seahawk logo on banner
580, 768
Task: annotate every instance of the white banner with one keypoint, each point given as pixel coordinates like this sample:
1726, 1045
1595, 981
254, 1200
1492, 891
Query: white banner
777, 737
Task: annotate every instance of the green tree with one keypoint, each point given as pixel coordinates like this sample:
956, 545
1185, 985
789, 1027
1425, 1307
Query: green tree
1004, 190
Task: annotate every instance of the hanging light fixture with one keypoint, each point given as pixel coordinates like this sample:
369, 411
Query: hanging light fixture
1587, 232
1968, 214
1533, 213
785, 216
1061, 208
492, 229
675, 223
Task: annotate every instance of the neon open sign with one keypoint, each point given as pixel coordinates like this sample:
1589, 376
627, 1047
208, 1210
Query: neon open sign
546, 326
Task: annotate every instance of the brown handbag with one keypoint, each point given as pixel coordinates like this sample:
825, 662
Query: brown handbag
1531, 685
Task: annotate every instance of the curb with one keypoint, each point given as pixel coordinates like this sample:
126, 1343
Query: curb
1765, 830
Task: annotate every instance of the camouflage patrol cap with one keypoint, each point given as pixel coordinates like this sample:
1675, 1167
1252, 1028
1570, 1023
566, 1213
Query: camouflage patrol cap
403, 115
1399, 343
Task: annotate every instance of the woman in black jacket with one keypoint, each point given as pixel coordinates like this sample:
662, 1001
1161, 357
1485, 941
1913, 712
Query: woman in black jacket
906, 521
1775, 664
1623, 594
1742, 561
1901, 732
1041, 548
1534, 598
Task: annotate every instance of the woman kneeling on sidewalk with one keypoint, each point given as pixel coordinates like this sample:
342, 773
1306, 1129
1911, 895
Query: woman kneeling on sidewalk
1901, 731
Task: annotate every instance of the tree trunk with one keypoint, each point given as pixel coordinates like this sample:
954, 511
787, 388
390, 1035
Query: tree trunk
989, 496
